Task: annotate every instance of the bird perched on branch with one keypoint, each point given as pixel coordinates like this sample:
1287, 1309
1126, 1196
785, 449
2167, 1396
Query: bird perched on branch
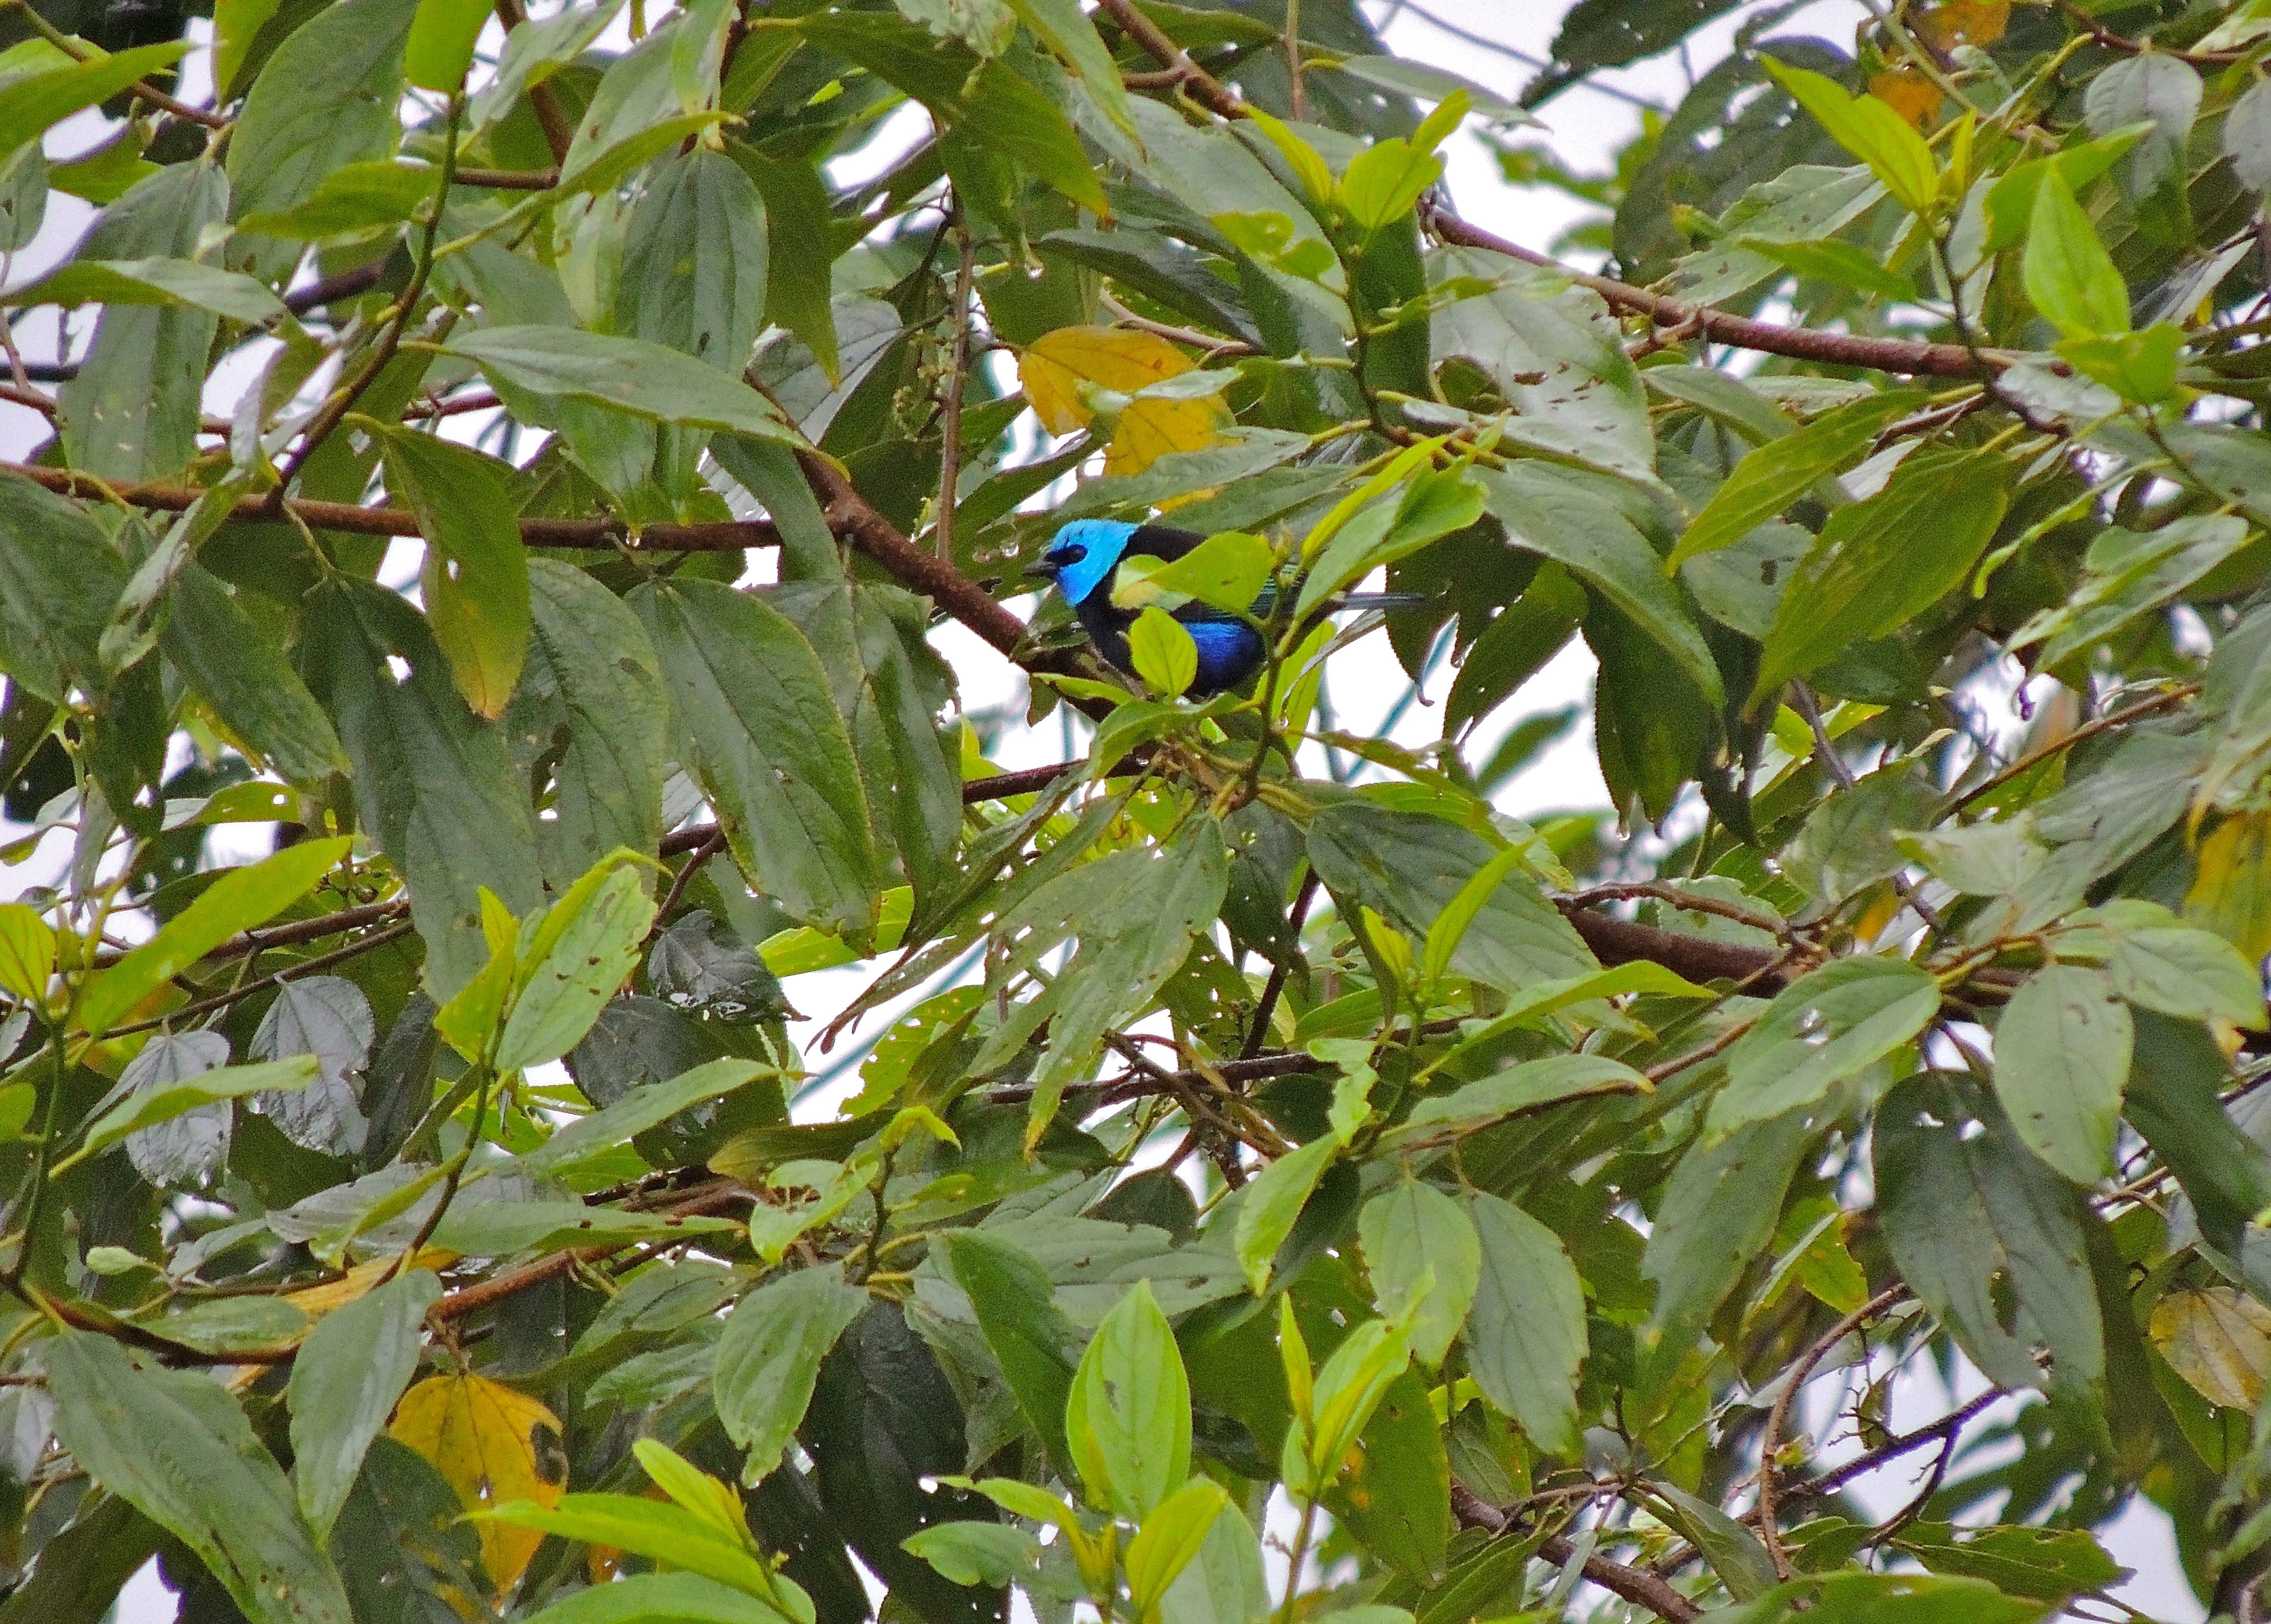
1084, 560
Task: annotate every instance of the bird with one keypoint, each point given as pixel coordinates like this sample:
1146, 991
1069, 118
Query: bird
1083, 560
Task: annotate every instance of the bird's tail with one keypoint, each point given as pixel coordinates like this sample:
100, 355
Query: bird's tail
1382, 600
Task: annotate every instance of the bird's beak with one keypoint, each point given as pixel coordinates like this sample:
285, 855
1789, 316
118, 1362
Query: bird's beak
1041, 569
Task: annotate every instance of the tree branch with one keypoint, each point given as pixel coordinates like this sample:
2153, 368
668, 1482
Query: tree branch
1635, 1586
1778, 1417
1915, 357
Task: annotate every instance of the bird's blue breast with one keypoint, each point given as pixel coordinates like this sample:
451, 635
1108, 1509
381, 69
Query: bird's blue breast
1229, 653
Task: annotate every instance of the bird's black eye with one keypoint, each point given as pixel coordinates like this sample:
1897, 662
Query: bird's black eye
1071, 552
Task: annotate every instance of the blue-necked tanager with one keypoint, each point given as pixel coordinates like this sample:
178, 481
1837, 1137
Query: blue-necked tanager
1084, 560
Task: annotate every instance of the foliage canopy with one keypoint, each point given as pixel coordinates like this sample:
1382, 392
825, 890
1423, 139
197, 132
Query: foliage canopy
407, 1222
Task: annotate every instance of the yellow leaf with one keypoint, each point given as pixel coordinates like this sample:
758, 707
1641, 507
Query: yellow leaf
1056, 366
490, 1445
1908, 92
1965, 22
2232, 894
1150, 429
316, 1300
2218, 1339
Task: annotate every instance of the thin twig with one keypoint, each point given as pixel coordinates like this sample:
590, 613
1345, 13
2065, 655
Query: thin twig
559, 129
335, 410
1259, 1032
1635, 1586
950, 460
2089, 730
237, 995
1824, 746
1778, 1417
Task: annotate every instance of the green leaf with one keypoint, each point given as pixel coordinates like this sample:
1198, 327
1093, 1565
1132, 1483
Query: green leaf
2010, 203
2176, 1076
1773, 475
631, 375
1824, 1028
1164, 656
475, 579
1029, 1336
133, 410
1525, 1086
27, 952
590, 1139
580, 956
1169, 1541
433, 783
1273, 1200
1973, 1220
31, 103
974, 1553
1226, 572
325, 99
2151, 88
2140, 366
1526, 1335
1515, 646
1732, 1550
1569, 518
1408, 867
768, 1359
1718, 1211
240, 673
151, 282
589, 714
353, 199
1419, 1246
755, 716
175, 1445
1384, 180
2067, 272
149, 1107
59, 578
346, 1377
501, 1228
238, 900
662, 1534
2192, 975
1225, 1584
693, 275
440, 48
2061, 1060
801, 248
1835, 260
1071, 37
1868, 128
660, 1599
1883, 562
1128, 1417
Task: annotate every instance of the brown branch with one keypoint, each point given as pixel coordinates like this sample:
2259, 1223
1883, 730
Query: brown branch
205, 1007
1829, 1482
1635, 1586
507, 180
326, 290
559, 128
1268, 1007
851, 516
1778, 1417
2112, 42
487, 1294
1915, 357
1900, 355
608, 534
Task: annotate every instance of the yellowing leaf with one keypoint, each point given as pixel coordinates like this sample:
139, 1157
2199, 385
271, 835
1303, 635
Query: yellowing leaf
1964, 22
491, 1444
1908, 92
358, 1282
2218, 1339
1061, 369
2233, 895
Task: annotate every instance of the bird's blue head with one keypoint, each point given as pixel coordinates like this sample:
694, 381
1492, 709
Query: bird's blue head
1081, 555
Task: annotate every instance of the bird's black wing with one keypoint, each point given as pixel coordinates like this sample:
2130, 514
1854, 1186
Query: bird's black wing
1162, 542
